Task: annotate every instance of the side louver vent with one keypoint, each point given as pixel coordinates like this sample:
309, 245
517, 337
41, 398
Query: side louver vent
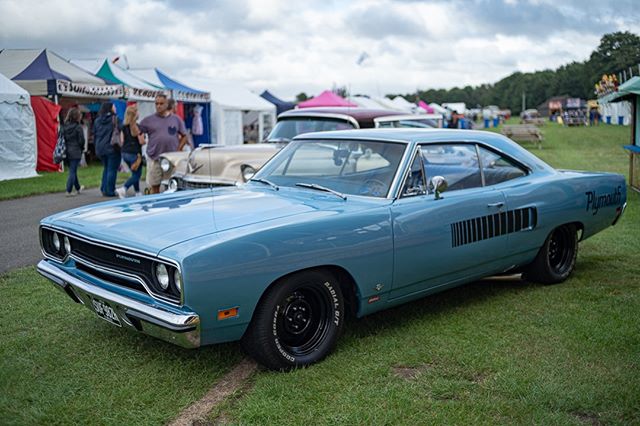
494, 225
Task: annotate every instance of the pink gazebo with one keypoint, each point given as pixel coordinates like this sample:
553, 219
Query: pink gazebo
326, 99
424, 106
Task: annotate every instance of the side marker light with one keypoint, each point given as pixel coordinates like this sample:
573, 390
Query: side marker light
227, 313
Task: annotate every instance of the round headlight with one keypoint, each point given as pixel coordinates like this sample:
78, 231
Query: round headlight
162, 276
67, 245
177, 280
247, 172
165, 165
56, 241
173, 184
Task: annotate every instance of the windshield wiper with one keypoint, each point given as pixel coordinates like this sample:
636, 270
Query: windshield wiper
321, 188
271, 184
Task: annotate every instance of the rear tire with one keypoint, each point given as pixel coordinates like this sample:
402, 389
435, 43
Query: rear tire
297, 322
556, 259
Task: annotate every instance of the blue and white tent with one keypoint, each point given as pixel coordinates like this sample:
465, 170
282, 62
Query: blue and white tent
197, 103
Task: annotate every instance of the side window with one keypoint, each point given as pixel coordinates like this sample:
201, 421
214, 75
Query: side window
497, 169
457, 163
415, 183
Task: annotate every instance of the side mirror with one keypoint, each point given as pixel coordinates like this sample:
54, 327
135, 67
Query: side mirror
439, 185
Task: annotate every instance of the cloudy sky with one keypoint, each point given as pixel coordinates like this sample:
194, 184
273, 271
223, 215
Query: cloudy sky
291, 47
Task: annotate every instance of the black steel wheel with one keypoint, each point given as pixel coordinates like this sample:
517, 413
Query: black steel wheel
556, 259
297, 322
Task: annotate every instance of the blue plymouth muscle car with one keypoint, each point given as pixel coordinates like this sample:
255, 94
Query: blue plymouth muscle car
336, 224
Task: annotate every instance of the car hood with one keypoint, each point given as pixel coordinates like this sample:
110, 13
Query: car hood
153, 223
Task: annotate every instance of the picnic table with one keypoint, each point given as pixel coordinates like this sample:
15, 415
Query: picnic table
523, 133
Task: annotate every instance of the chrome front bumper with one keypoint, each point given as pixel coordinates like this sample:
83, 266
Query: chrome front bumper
182, 329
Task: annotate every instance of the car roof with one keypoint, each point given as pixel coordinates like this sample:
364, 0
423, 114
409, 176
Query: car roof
364, 116
412, 135
406, 135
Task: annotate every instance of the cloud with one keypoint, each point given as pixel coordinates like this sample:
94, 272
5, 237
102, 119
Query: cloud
381, 20
293, 47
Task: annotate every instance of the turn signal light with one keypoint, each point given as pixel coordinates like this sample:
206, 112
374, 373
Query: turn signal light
227, 313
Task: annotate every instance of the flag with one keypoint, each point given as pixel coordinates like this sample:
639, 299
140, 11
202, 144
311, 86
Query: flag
363, 57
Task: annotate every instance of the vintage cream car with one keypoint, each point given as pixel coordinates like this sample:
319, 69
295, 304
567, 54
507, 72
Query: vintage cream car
223, 165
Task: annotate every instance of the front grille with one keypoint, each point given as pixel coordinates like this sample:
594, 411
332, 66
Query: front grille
116, 266
195, 185
110, 258
112, 278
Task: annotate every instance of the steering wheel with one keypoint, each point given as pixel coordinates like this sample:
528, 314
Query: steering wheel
373, 187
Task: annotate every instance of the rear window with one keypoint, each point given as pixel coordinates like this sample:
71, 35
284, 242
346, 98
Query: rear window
287, 129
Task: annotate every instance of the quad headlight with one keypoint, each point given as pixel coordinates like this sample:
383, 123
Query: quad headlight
55, 239
56, 244
168, 279
247, 172
165, 165
162, 275
177, 281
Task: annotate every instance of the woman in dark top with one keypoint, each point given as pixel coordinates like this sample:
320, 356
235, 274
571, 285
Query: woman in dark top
131, 152
74, 139
103, 127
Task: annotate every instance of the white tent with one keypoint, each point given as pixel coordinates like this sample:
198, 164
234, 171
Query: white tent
235, 107
459, 107
402, 104
386, 103
364, 102
17, 132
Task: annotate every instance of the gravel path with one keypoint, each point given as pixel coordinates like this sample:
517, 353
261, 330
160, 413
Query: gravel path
19, 219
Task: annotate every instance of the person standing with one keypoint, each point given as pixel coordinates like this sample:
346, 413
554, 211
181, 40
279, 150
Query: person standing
131, 152
74, 139
167, 133
103, 127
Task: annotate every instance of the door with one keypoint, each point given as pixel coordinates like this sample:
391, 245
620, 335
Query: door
445, 239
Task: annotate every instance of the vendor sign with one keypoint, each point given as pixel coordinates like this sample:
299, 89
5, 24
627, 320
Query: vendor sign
135, 94
183, 96
80, 90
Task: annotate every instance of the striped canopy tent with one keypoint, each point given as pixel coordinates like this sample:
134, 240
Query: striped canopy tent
135, 88
629, 93
194, 105
42, 72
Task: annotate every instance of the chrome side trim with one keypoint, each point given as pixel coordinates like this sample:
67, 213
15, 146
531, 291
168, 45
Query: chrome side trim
179, 328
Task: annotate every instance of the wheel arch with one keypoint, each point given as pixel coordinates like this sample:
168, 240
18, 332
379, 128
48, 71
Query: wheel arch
578, 225
347, 283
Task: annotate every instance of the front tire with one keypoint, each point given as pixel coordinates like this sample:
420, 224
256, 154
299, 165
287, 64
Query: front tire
556, 259
297, 322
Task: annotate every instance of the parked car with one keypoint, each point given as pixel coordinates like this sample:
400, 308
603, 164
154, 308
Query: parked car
216, 165
420, 121
335, 224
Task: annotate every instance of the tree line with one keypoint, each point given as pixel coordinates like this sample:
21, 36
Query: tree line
617, 52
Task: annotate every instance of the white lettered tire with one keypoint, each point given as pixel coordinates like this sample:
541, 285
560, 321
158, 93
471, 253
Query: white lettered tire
297, 321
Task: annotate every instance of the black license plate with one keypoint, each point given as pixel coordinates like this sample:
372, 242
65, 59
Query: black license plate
105, 312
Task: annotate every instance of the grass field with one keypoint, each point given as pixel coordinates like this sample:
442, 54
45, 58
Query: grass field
47, 182
497, 351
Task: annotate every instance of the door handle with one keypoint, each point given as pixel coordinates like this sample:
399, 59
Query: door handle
498, 204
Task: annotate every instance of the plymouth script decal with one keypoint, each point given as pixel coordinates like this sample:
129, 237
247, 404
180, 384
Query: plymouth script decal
595, 201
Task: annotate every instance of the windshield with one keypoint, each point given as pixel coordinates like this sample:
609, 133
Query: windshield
287, 129
348, 167
419, 123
